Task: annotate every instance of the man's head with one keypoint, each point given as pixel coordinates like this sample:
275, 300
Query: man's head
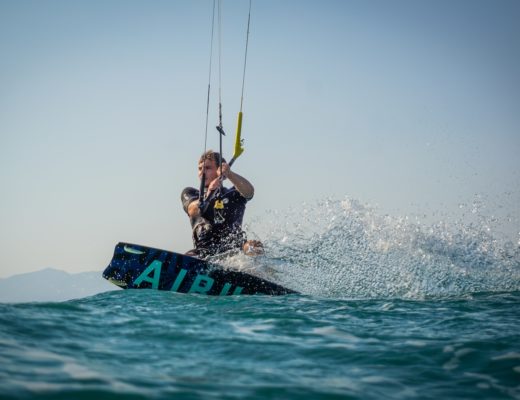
209, 161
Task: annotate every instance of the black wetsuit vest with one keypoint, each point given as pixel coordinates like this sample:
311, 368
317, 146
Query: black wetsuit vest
214, 233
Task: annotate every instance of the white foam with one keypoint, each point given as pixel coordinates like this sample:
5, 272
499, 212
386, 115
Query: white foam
345, 249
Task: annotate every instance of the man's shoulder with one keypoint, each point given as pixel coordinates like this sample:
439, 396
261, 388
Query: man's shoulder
189, 193
233, 193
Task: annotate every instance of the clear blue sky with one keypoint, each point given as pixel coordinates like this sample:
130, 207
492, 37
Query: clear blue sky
410, 105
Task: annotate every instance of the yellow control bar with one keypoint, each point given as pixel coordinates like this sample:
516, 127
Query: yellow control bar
238, 140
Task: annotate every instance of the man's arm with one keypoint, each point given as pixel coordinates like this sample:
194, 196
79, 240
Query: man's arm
242, 185
190, 202
193, 209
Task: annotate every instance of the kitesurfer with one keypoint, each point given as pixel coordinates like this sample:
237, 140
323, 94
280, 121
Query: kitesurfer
217, 220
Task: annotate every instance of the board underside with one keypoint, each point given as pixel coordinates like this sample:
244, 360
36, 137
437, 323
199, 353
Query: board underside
138, 267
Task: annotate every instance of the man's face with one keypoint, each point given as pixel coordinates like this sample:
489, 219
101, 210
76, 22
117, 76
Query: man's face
210, 171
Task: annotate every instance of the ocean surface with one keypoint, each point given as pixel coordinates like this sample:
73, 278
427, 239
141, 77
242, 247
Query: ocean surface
389, 308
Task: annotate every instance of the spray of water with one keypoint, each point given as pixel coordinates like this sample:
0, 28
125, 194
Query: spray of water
341, 248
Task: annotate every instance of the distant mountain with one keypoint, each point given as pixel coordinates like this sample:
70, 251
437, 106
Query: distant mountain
52, 285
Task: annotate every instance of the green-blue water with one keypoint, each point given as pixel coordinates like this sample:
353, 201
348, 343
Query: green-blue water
389, 309
147, 344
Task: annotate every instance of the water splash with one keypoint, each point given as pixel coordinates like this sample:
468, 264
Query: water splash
341, 248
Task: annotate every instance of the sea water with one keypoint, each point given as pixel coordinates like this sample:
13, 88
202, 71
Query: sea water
389, 308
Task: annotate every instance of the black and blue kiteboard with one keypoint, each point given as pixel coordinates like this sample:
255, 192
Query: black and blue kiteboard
139, 267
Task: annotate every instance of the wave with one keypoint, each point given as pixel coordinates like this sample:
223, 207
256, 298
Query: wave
344, 248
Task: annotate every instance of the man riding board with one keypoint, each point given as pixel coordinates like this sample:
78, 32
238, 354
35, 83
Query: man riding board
217, 222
